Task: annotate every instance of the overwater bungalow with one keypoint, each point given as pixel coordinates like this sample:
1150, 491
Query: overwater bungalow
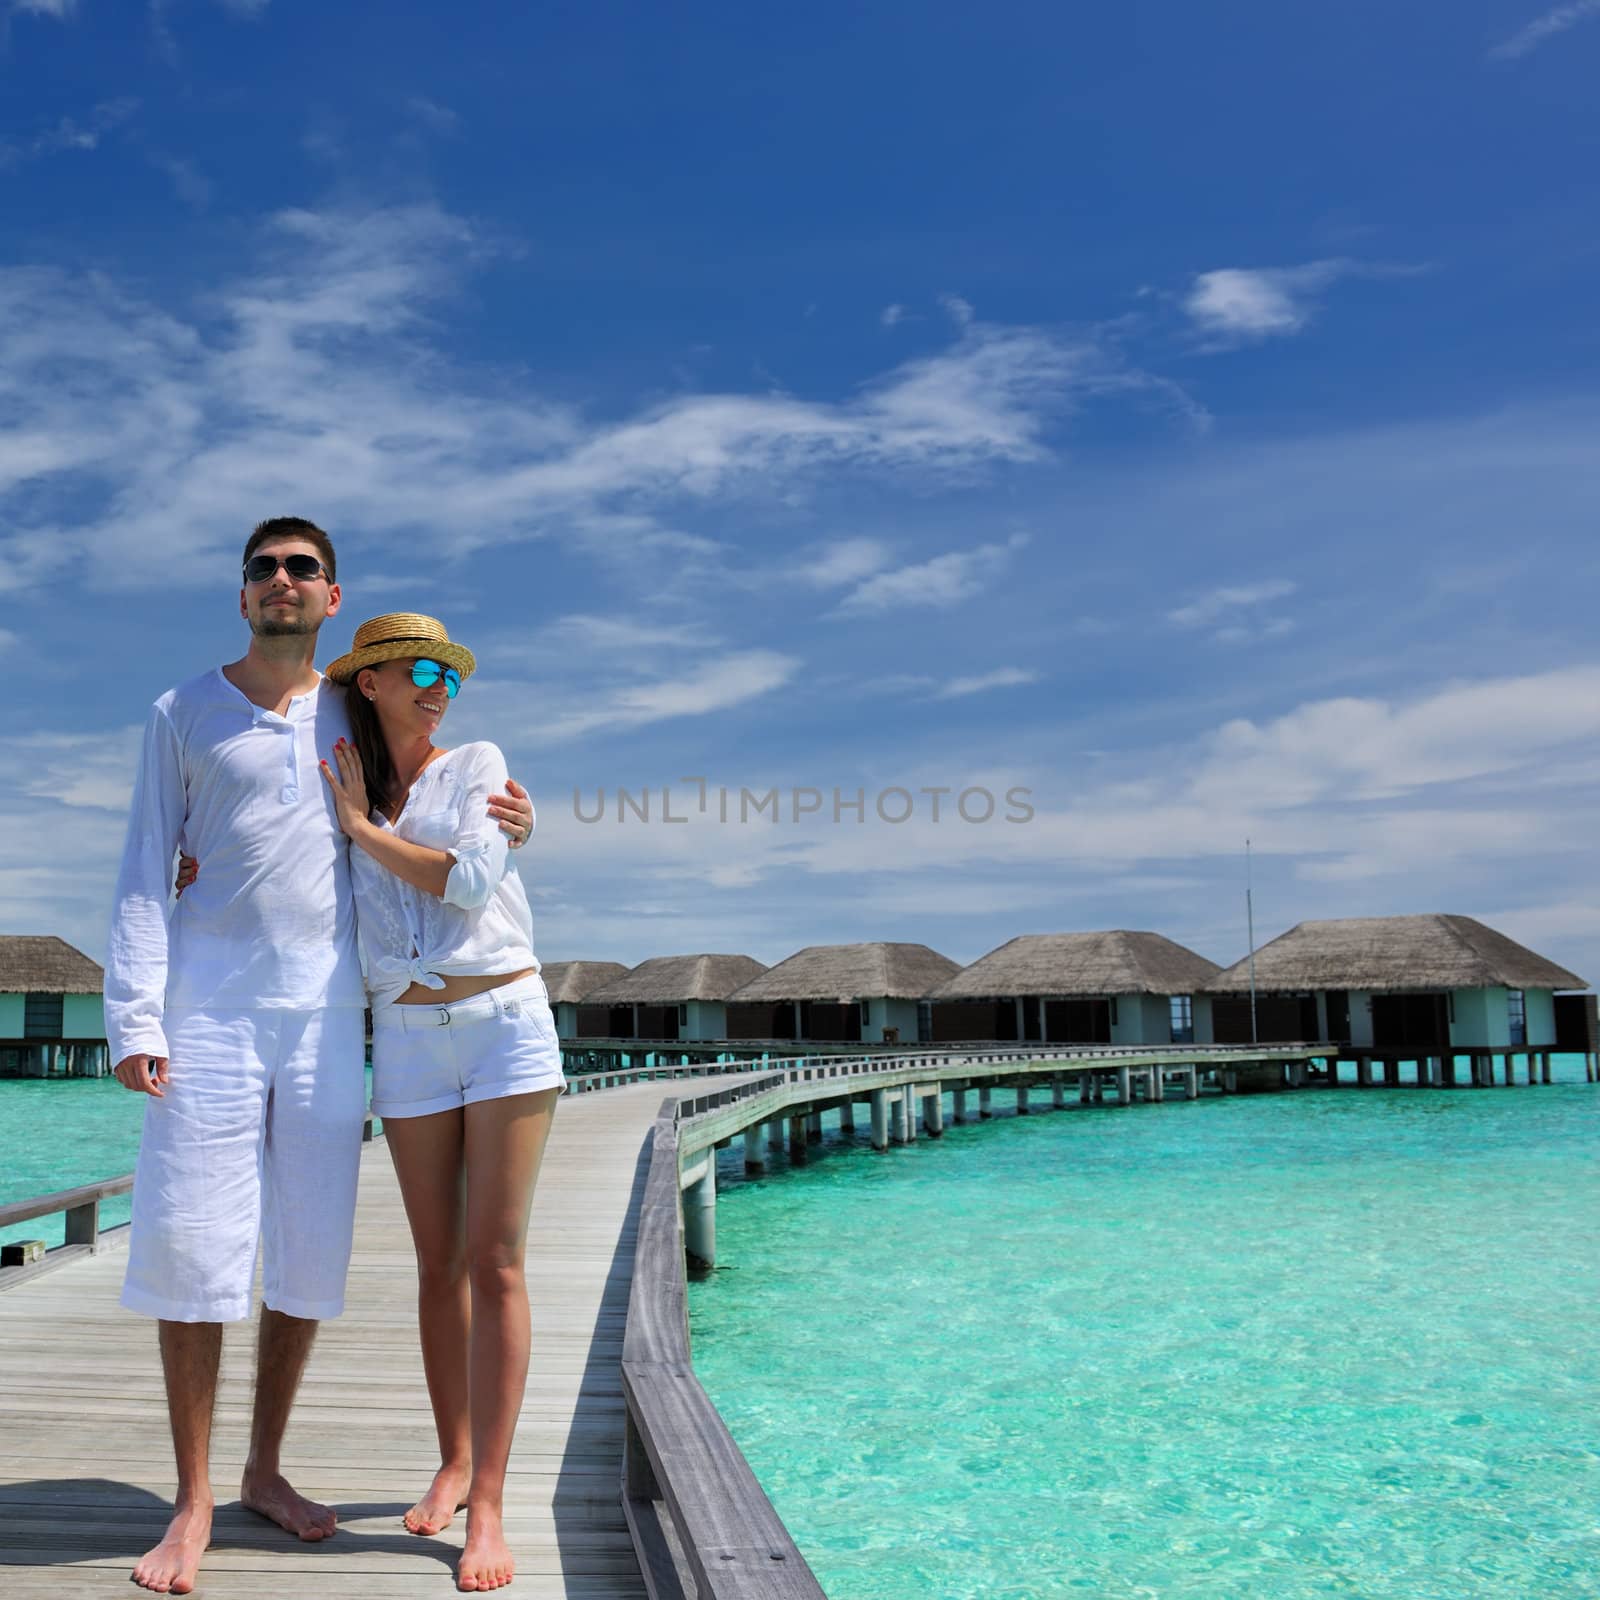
1423, 984
831, 993
674, 997
1112, 987
52, 1014
569, 983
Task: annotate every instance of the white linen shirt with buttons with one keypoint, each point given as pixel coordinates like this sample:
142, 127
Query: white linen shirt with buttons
270, 922
483, 924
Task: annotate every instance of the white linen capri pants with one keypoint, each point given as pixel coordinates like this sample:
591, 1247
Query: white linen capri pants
428, 1058
257, 1139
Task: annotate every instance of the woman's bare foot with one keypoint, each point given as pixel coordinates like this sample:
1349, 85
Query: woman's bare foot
486, 1560
269, 1495
174, 1564
446, 1496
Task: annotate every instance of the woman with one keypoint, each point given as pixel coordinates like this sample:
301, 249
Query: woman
465, 1065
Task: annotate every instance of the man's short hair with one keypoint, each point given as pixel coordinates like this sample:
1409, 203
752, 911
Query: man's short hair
293, 528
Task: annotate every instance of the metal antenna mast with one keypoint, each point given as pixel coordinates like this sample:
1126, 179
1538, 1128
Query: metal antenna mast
1250, 922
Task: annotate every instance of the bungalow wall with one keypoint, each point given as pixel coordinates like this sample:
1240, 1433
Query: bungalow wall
1142, 1019
1540, 1008
707, 1019
881, 1014
566, 1015
1480, 1018
1204, 1029
83, 1018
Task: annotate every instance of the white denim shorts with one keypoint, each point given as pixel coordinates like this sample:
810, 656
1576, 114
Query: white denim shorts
428, 1058
256, 1140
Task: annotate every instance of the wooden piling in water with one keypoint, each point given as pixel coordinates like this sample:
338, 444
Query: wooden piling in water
700, 1215
983, 1102
880, 1119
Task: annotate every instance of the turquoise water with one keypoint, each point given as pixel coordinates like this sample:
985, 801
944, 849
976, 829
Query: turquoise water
56, 1133
1254, 1348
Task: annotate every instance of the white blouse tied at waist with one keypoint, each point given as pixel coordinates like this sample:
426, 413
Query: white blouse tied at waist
483, 924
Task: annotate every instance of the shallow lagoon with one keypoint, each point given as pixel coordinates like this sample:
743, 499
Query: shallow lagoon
1278, 1346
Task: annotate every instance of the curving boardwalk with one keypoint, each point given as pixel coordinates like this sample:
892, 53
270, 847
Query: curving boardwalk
86, 1465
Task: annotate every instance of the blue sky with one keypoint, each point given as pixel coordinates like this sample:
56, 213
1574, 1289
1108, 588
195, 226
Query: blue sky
1186, 414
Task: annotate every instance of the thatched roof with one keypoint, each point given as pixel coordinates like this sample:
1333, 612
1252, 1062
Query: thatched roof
1080, 965
43, 964
844, 972
569, 982
671, 980
1394, 955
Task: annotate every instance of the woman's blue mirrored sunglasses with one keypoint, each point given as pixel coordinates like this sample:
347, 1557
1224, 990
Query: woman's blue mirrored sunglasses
425, 674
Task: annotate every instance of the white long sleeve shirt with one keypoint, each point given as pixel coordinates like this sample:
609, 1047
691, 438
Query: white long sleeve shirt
270, 921
483, 924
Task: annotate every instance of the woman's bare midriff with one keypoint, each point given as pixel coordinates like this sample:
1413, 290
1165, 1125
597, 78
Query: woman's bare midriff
457, 986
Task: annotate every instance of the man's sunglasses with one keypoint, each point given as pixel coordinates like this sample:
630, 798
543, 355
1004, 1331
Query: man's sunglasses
301, 568
425, 674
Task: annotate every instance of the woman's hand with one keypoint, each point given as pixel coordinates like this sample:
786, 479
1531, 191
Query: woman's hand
188, 871
349, 785
515, 815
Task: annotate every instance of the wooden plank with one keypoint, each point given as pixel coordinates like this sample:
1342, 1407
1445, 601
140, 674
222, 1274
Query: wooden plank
86, 1470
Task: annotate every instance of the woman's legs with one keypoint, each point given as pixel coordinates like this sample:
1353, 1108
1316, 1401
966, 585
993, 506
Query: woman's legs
428, 1158
504, 1143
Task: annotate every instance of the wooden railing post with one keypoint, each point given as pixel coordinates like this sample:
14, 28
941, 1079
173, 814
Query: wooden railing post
83, 1224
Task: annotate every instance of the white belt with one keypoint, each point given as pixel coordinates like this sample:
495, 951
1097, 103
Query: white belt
506, 1001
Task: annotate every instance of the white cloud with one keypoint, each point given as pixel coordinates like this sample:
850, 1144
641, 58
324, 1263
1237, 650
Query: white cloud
843, 561
440, 118
189, 184
60, 9
70, 133
957, 309
1258, 303
891, 315
1000, 678
1548, 26
944, 581
1229, 600
718, 684
316, 379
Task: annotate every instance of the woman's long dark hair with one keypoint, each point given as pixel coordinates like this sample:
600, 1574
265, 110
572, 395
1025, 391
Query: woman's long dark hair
383, 784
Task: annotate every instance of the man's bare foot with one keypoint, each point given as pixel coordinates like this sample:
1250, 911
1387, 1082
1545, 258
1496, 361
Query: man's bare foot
173, 1565
446, 1496
486, 1560
270, 1496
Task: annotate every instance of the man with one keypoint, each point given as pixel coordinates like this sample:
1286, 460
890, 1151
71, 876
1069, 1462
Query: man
242, 1020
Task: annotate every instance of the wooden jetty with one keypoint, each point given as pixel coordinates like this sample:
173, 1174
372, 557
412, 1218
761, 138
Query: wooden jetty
624, 1480
86, 1471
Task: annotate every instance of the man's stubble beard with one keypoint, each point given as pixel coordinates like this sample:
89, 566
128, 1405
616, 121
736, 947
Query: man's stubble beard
283, 628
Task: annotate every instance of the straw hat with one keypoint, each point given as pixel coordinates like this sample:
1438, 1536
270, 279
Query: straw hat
397, 636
